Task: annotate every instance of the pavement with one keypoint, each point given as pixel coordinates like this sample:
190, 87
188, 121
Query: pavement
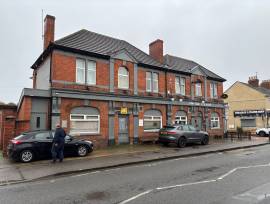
114, 157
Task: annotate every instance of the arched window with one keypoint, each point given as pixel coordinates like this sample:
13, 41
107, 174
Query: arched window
84, 120
152, 120
215, 121
123, 78
181, 118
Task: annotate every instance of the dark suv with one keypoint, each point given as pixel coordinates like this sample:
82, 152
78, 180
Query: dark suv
181, 135
38, 144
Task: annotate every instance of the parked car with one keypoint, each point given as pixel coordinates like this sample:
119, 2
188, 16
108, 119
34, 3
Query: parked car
37, 145
181, 135
263, 132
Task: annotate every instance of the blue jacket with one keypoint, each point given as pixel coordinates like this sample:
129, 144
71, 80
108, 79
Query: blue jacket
59, 136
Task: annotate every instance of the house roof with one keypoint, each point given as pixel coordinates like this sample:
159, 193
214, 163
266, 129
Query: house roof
260, 89
184, 65
96, 43
102, 45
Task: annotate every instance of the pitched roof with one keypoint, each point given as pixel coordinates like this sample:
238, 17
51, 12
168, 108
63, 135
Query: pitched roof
96, 43
260, 89
87, 41
184, 65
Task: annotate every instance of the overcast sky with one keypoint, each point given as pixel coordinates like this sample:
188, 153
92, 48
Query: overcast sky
229, 37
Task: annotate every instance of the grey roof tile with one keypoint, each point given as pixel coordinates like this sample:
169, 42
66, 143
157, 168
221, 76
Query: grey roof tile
96, 43
100, 44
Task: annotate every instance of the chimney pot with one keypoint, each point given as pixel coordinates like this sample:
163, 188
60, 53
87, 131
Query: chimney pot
253, 81
49, 24
156, 50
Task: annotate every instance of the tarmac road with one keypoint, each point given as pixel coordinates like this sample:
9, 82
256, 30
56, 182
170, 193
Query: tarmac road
237, 177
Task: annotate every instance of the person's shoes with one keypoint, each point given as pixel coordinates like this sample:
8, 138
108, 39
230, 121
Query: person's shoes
53, 161
61, 160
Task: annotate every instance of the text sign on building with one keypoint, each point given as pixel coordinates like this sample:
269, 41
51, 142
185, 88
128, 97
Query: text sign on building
253, 113
124, 111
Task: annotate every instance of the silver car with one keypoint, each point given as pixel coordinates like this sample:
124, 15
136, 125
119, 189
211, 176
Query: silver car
181, 135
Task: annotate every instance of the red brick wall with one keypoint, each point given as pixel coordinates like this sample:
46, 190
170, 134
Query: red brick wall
24, 116
100, 140
64, 69
7, 126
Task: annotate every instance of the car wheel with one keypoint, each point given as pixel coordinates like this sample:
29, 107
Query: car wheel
262, 134
82, 151
205, 140
26, 156
182, 142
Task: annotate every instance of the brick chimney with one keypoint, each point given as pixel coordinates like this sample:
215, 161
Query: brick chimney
253, 81
48, 30
156, 50
265, 84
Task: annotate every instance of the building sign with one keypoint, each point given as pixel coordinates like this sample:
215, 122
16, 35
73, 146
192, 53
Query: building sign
124, 111
141, 122
249, 113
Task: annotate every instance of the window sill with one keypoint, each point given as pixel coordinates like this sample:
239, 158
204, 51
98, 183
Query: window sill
216, 128
84, 134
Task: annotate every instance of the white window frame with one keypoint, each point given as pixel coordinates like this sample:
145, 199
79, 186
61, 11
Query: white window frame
86, 120
123, 77
91, 70
81, 68
215, 119
149, 89
213, 90
180, 119
152, 119
155, 81
198, 86
180, 85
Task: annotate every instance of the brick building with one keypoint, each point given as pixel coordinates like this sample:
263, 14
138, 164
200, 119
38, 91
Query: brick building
107, 90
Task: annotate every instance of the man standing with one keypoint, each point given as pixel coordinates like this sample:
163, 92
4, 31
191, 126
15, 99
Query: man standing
58, 144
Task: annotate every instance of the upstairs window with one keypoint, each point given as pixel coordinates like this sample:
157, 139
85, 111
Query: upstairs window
123, 78
91, 72
198, 89
213, 90
152, 82
80, 71
180, 85
85, 72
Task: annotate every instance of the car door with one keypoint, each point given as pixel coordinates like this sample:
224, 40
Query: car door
194, 133
187, 133
70, 146
43, 143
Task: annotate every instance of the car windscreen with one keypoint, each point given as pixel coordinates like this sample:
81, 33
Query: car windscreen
23, 137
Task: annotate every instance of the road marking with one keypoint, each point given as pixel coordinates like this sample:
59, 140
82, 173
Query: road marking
195, 183
135, 197
186, 184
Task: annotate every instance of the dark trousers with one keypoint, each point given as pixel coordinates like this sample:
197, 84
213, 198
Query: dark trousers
57, 151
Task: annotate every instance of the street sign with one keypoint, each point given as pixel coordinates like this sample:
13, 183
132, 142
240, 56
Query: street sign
124, 111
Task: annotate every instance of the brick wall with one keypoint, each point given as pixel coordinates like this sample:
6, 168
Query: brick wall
7, 125
101, 139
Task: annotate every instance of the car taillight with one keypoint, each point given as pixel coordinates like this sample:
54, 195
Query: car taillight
171, 133
16, 142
